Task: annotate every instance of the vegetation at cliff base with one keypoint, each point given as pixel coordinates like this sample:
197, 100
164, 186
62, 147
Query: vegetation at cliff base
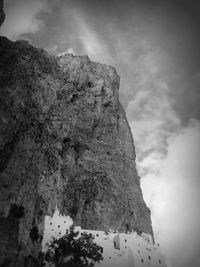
73, 250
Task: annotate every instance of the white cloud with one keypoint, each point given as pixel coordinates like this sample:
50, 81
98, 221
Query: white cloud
71, 51
152, 119
173, 193
168, 163
52, 49
22, 17
93, 45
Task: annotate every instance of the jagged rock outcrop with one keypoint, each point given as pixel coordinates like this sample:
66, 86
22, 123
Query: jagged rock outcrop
65, 141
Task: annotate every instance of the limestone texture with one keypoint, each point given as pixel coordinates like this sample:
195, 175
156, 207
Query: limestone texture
64, 141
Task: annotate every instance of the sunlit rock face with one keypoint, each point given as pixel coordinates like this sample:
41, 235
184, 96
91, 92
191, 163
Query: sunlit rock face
64, 141
2, 14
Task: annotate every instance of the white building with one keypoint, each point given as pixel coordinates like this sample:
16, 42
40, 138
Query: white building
119, 249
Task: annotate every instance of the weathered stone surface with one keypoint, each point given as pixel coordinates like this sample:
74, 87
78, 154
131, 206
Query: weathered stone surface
2, 14
65, 141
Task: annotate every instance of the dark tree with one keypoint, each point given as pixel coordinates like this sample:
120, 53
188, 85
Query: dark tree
72, 250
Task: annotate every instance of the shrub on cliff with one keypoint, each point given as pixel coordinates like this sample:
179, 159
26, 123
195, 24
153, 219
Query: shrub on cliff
73, 251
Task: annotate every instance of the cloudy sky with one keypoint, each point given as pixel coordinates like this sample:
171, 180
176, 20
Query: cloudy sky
154, 45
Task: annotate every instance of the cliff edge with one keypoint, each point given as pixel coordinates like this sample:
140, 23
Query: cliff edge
64, 141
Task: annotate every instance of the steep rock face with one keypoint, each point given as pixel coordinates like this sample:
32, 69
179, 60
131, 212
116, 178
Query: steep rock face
65, 141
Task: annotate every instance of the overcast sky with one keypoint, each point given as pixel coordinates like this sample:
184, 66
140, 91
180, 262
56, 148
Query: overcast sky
155, 47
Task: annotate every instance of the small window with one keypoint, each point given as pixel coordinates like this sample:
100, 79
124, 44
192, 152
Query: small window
159, 261
58, 226
109, 257
90, 234
50, 223
59, 233
115, 244
138, 251
64, 221
125, 246
125, 240
51, 229
67, 231
149, 257
142, 260
97, 234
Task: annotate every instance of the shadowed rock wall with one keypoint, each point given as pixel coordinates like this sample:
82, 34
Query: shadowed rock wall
65, 141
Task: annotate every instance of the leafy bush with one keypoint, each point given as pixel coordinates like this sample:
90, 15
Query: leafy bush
72, 250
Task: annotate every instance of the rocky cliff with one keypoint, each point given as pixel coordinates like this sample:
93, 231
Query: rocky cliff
64, 141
